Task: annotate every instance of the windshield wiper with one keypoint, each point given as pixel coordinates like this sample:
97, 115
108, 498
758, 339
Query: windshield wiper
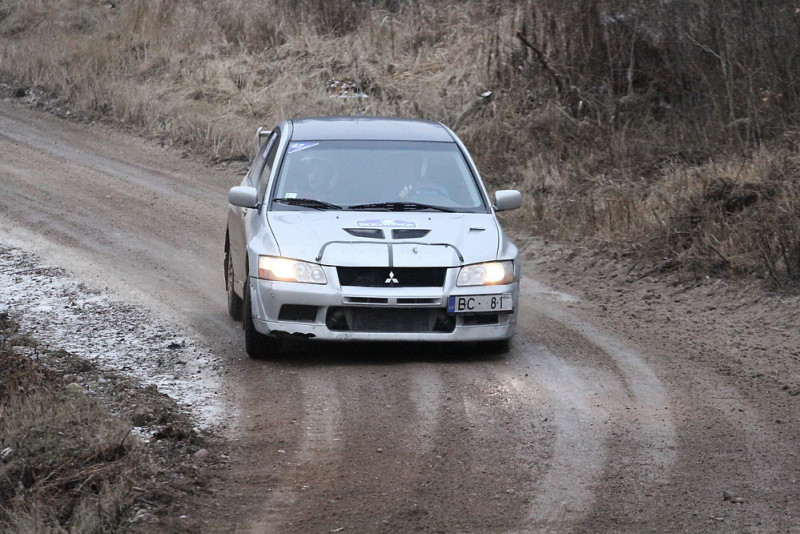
307, 203
398, 206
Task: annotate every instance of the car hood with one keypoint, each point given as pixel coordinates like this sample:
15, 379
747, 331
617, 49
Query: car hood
386, 239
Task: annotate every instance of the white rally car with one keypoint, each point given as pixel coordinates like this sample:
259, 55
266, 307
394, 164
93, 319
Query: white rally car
366, 228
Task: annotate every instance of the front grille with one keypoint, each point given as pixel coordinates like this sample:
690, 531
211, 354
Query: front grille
365, 300
418, 301
390, 320
392, 277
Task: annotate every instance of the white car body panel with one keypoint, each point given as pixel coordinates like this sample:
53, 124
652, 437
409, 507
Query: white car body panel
301, 235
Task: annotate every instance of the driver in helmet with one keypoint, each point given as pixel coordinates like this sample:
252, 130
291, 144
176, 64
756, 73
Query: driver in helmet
314, 179
428, 185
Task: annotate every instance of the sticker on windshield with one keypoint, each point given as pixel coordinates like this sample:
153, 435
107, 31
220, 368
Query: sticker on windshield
297, 147
386, 223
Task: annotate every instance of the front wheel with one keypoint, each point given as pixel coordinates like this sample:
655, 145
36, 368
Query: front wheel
256, 344
234, 300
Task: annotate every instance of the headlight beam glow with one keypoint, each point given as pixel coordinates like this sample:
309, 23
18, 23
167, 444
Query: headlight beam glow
486, 274
288, 270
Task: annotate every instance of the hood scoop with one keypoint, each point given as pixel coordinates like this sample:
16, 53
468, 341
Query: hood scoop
371, 233
409, 233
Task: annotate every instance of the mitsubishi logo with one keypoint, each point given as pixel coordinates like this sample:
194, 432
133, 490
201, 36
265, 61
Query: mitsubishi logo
391, 279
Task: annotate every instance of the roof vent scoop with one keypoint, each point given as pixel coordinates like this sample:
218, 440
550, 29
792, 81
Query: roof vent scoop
372, 233
409, 233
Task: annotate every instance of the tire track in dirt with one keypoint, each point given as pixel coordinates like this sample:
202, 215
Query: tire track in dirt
317, 446
579, 451
360, 439
612, 392
426, 386
71, 145
425, 439
103, 202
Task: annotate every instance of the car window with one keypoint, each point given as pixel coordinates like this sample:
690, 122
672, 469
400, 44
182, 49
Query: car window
269, 160
358, 173
261, 162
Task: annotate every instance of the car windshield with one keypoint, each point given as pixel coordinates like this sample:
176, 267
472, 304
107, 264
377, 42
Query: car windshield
376, 176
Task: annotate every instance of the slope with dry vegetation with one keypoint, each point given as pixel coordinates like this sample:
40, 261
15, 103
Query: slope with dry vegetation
666, 130
84, 449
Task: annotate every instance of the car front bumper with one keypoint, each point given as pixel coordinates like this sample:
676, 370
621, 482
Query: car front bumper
334, 313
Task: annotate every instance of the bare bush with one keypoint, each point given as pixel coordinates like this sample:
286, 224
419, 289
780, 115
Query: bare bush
778, 235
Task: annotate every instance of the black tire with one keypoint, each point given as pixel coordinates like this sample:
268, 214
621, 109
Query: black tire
257, 345
234, 300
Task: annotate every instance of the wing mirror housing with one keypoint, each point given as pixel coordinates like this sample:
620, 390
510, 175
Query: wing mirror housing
507, 199
243, 196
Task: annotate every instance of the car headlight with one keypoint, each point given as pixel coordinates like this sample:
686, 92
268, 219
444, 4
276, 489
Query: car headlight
486, 274
286, 270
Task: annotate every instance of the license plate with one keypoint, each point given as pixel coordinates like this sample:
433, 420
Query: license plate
480, 303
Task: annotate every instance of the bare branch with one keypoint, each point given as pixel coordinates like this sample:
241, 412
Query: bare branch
553, 74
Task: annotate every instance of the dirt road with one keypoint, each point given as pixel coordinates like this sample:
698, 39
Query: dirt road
625, 404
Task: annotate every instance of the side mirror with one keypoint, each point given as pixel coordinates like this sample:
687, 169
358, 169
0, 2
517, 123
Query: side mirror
507, 199
243, 196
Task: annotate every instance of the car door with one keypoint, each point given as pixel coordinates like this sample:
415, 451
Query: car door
239, 218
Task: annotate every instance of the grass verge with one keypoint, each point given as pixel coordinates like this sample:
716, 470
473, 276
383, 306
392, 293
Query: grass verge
70, 460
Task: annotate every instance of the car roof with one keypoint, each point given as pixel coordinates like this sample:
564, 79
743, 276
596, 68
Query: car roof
368, 128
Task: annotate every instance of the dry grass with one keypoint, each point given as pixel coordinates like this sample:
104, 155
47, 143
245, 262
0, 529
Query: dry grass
626, 124
67, 465
69, 461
